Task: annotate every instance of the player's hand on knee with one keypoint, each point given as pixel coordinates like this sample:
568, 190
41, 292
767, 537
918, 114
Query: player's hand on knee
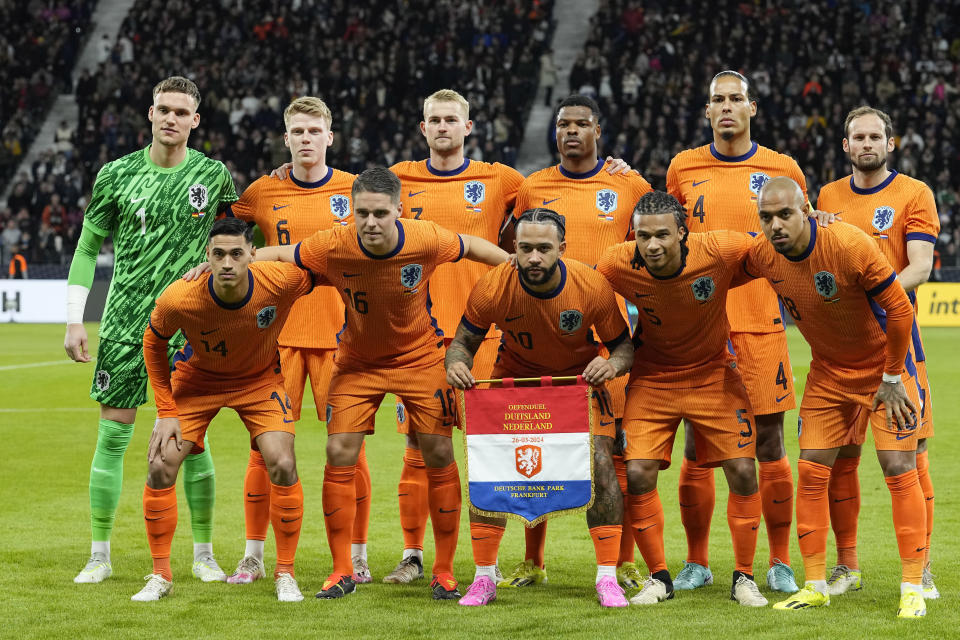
281, 172
459, 376
197, 271
75, 343
164, 430
598, 371
618, 165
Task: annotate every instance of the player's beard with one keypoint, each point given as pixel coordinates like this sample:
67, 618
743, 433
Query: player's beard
868, 166
727, 136
547, 274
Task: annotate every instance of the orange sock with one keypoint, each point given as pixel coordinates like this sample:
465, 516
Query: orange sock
776, 495
256, 497
412, 494
286, 515
486, 543
627, 545
647, 515
339, 511
361, 522
743, 518
909, 523
606, 544
160, 516
697, 497
445, 498
845, 509
813, 517
926, 485
536, 541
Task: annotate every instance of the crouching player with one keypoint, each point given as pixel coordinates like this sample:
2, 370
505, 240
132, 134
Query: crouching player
546, 307
231, 319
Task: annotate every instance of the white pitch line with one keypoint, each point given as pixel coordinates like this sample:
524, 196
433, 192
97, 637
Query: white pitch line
51, 363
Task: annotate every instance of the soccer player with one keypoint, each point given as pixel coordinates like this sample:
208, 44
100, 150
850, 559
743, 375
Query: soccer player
549, 308
462, 196
718, 185
158, 204
231, 318
598, 209
390, 344
900, 213
682, 369
315, 198
851, 309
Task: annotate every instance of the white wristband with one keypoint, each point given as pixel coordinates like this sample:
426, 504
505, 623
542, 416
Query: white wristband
76, 301
891, 378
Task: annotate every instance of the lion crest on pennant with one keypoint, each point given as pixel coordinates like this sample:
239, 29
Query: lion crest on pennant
529, 460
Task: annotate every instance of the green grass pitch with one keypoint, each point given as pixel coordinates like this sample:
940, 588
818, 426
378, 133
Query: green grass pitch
49, 427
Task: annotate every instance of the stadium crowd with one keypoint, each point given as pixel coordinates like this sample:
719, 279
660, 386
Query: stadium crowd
810, 63
373, 62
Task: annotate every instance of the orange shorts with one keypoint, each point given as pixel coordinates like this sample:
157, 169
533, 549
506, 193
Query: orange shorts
926, 415
262, 406
617, 388
297, 363
426, 402
831, 418
719, 413
483, 362
764, 363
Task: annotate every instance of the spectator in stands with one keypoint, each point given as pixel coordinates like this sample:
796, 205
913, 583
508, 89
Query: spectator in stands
17, 269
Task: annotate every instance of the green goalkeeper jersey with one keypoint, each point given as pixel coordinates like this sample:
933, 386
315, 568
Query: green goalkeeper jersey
159, 219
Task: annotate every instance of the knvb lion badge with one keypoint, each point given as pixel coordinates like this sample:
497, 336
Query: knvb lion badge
529, 449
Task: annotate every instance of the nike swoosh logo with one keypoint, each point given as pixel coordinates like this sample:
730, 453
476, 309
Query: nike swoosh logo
921, 549
151, 519
641, 529
905, 436
350, 275
400, 495
688, 506
844, 499
410, 194
290, 520
755, 528
327, 515
604, 424
281, 206
697, 184
642, 295
137, 200
929, 499
546, 202
285, 421
776, 281
745, 444
256, 495
783, 397
476, 538
442, 510
514, 318
775, 501
805, 534
605, 537
206, 333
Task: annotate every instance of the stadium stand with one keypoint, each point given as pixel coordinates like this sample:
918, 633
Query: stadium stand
372, 62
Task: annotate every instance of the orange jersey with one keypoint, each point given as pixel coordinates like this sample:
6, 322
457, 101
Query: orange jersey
474, 199
547, 333
898, 210
229, 344
681, 336
388, 321
288, 211
837, 292
720, 192
598, 207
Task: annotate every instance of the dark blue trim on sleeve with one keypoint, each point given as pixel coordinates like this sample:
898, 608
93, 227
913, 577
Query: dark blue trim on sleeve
880, 288
296, 256
916, 235
460, 257
472, 328
616, 342
157, 333
313, 282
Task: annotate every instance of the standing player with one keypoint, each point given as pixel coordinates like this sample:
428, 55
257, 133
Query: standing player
315, 198
232, 319
718, 184
837, 285
549, 308
901, 215
462, 196
390, 344
158, 204
683, 370
598, 209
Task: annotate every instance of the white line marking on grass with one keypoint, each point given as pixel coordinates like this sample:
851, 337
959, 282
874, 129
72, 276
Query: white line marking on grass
51, 363
49, 409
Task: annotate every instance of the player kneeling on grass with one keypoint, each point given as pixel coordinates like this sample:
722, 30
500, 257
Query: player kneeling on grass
549, 309
231, 319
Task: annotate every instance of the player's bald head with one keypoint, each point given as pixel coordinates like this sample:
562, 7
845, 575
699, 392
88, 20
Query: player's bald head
781, 189
377, 180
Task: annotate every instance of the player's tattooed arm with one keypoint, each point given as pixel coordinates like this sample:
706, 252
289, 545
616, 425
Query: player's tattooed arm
459, 358
480, 250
